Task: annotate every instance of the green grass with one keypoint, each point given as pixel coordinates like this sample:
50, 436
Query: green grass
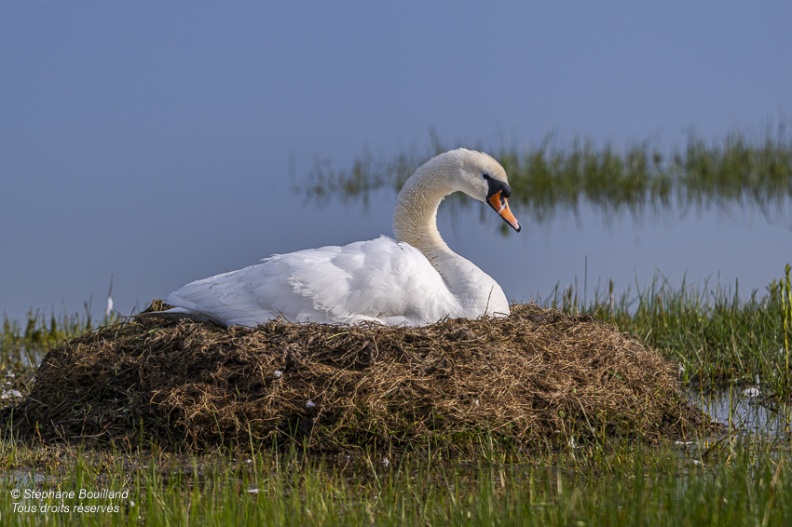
733, 483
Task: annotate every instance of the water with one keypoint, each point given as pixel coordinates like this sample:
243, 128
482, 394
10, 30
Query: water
732, 248
743, 411
25, 478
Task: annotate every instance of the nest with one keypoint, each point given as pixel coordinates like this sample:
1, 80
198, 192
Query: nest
535, 379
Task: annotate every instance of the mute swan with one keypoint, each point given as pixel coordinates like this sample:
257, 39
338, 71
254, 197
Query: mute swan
416, 280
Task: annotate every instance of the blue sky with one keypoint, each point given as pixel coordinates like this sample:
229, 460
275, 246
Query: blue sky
160, 141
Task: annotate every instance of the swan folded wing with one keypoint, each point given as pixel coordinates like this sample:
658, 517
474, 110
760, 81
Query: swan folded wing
224, 298
376, 280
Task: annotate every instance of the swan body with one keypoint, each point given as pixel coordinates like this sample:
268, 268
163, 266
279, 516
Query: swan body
413, 280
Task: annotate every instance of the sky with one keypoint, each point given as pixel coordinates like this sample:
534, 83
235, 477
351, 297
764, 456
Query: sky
160, 142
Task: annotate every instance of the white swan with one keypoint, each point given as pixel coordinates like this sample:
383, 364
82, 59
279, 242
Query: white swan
415, 281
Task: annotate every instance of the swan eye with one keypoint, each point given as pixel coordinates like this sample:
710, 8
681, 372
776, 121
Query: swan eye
486, 176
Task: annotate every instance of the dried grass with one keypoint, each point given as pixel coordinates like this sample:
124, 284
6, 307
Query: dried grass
536, 379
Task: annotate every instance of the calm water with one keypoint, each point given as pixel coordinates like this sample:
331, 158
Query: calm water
733, 248
743, 411
586, 248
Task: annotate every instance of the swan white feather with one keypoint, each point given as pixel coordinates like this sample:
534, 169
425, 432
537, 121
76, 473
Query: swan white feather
417, 280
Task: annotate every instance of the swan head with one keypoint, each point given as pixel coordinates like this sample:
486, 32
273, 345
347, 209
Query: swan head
475, 173
481, 177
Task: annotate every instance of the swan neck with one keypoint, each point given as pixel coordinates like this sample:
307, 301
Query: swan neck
415, 217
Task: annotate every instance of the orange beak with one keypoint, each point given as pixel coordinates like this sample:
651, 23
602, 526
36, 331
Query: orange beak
501, 205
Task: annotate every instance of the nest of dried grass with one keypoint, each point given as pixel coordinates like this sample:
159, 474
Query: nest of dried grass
535, 379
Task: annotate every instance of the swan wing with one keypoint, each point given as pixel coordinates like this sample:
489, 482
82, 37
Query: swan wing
376, 280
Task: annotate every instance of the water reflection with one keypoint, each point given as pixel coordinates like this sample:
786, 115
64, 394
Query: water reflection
745, 411
637, 180
25, 478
